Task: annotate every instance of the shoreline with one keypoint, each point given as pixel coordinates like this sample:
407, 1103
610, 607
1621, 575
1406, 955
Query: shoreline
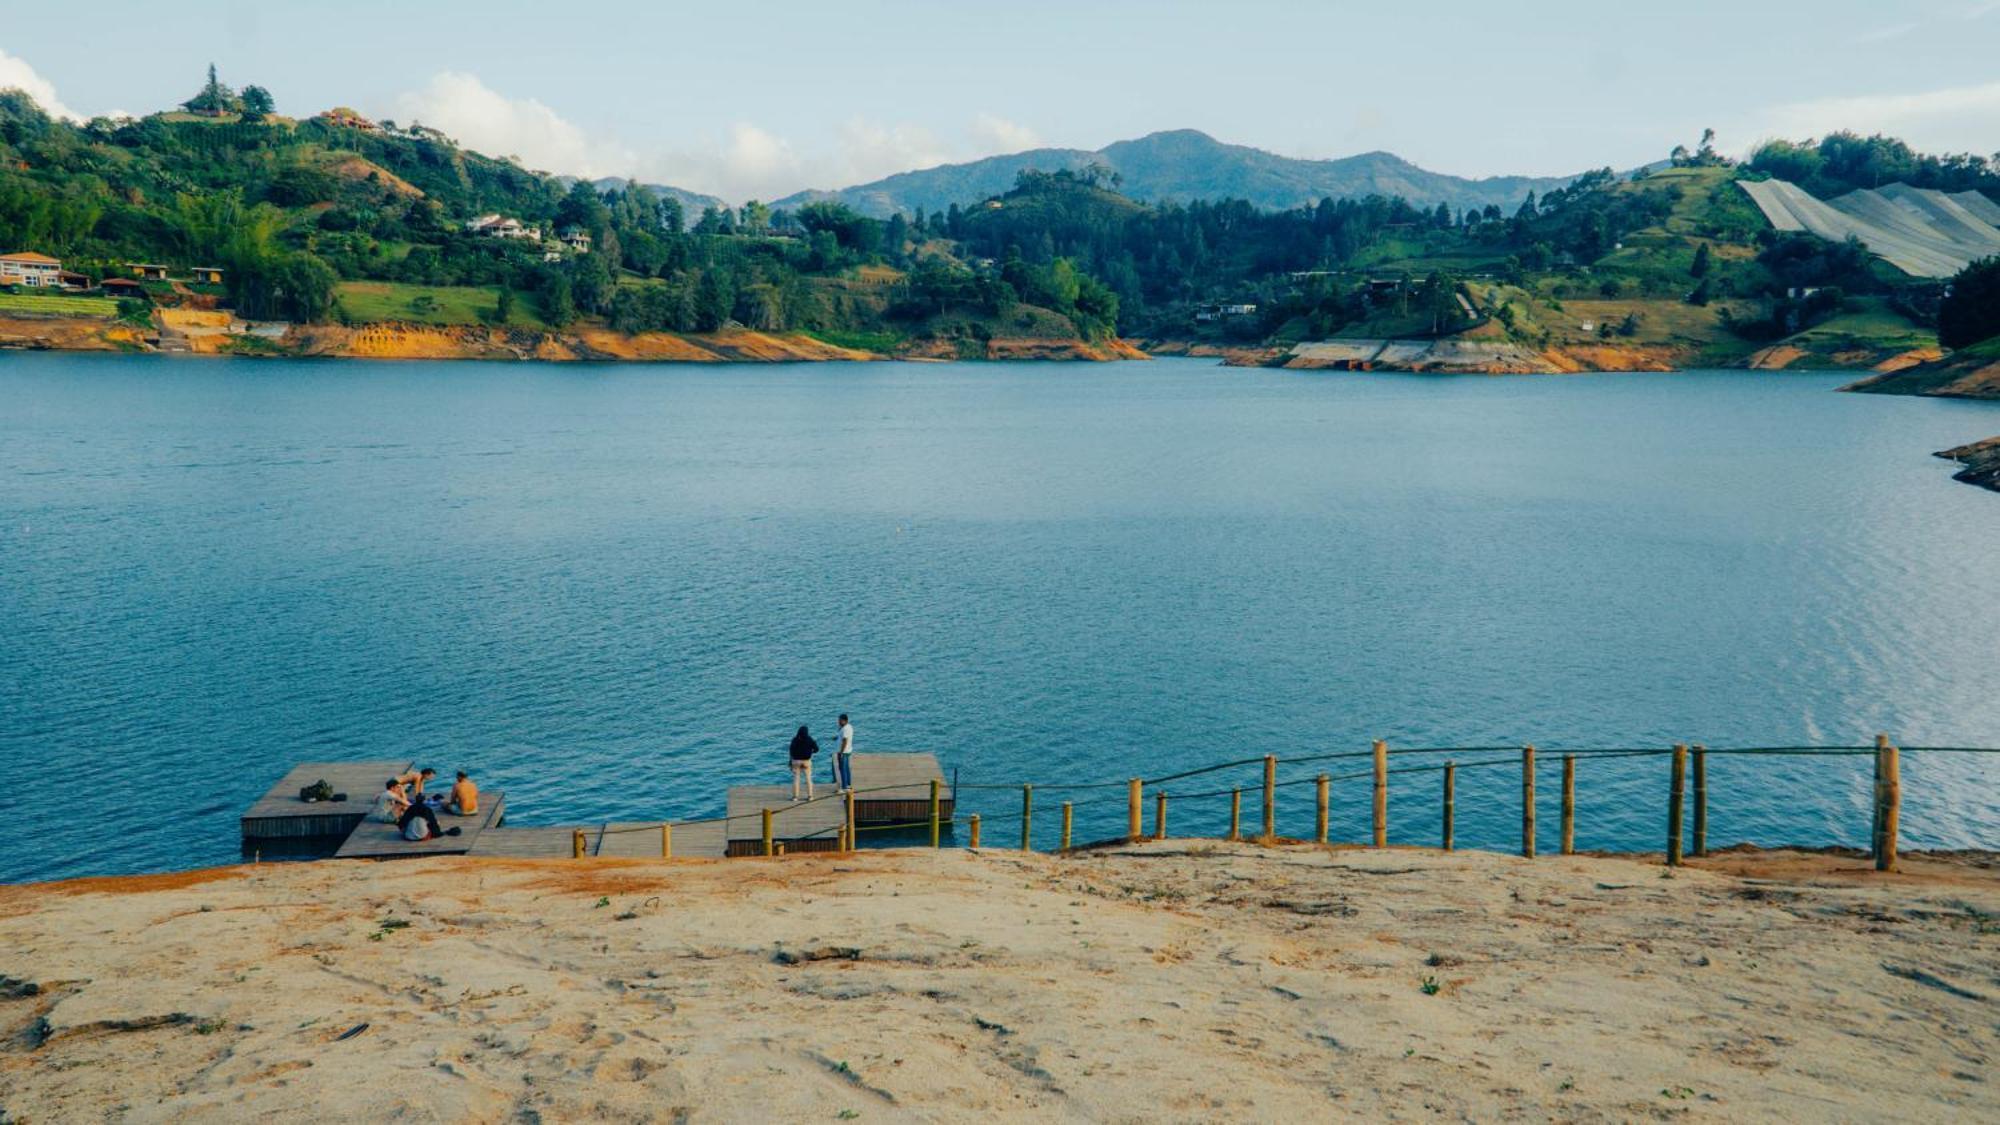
1345, 983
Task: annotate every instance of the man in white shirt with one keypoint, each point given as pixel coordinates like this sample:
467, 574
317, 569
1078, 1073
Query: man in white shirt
843, 758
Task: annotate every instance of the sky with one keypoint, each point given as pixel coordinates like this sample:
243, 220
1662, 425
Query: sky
760, 100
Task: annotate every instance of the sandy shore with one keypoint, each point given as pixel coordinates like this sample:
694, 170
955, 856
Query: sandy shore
1174, 981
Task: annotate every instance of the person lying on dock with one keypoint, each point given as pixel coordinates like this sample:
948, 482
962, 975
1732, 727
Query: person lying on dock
390, 803
415, 779
803, 749
464, 800
420, 823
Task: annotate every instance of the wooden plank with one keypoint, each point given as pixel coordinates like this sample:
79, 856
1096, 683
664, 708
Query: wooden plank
280, 813
374, 839
641, 840
528, 843
908, 799
793, 821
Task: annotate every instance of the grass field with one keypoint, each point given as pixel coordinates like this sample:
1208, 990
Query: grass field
378, 301
102, 307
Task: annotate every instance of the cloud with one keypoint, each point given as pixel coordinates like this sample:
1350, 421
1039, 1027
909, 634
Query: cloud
1955, 119
997, 134
481, 118
16, 74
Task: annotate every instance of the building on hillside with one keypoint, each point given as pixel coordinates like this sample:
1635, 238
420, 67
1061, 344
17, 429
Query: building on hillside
347, 118
1209, 313
552, 255
495, 226
123, 287
75, 281
36, 271
147, 271
577, 240
207, 275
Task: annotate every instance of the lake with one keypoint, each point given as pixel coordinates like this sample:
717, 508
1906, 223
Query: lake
614, 590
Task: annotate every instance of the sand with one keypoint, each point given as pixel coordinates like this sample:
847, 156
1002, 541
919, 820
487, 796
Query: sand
1169, 981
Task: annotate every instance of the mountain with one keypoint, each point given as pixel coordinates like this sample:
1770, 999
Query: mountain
1184, 165
692, 202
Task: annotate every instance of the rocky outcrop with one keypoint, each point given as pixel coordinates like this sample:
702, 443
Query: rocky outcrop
1974, 373
1981, 460
1455, 356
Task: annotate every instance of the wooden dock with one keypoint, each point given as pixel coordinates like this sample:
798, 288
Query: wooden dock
801, 826
375, 839
908, 799
281, 815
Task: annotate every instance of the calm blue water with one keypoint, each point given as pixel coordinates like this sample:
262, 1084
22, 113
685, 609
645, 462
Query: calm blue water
613, 590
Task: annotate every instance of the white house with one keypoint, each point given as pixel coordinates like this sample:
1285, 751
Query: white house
493, 226
36, 271
577, 240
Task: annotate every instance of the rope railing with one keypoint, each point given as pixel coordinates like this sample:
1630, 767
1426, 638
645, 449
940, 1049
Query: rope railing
1885, 812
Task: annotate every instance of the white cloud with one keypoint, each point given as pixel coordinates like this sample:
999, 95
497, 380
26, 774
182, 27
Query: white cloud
16, 74
746, 161
997, 134
483, 119
1957, 119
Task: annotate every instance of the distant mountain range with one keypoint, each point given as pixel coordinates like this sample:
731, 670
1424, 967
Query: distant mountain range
692, 202
1184, 165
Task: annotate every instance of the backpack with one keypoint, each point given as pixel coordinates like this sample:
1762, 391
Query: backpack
321, 790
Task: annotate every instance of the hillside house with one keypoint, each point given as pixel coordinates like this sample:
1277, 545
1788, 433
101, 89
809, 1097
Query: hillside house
36, 271
577, 240
123, 287
347, 118
72, 281
207, 275
147, 271
1210, 313
495, 226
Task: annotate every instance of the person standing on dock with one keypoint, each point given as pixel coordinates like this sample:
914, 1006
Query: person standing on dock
803, 749
843, 758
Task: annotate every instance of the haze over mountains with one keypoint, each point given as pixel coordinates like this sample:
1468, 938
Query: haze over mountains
1179, 165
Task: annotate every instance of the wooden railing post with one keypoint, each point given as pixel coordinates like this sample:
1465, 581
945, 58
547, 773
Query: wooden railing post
1069, 809
1892, 807
1236, 814
1528, 800
972, 827
1875, 801
666, 841
576, 845
1133, 796
1381, 794
1700, 800
1569, 805
934, 813
768, 848
1322, 799
1450, 794
1270, 797
1676, 786
1027, 818
847, 815
1159, 814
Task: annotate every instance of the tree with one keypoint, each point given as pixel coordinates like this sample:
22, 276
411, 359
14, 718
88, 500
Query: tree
214, 98
1971, 310
558, 305
257, 103
1700, 267
503, 310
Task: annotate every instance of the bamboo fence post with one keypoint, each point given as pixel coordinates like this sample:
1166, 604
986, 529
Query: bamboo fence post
1160, 814
934, 812
1236, 814
1321, 799
1270, 796
1027, 817
1675, 790
666, 841
847, 816
1133, 796
1892, 807
1569, 805
1069, 810
1700, 800
576, 847
781, 848
973, 828
1381, 794
840, 838
1528, 800
768, 850
1450, 803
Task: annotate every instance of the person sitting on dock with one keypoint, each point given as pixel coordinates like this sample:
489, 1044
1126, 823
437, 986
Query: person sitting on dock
803, 749
390, 803
464, 800
414, 780
419, 822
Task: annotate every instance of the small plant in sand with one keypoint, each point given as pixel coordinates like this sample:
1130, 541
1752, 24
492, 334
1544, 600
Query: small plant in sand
602, 903
1678, 1093
208, 1027
1430, 986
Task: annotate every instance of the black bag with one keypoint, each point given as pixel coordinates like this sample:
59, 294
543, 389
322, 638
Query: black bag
320, 790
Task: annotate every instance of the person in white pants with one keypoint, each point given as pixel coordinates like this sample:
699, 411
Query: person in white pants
802, 750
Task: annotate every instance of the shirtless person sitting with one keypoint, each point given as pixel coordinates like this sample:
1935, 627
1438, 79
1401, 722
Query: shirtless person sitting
414, 781
464, 799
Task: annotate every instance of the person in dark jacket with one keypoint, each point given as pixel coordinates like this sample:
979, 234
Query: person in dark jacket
803, 749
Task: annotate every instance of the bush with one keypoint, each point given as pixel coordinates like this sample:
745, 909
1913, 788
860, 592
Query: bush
1971, 309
